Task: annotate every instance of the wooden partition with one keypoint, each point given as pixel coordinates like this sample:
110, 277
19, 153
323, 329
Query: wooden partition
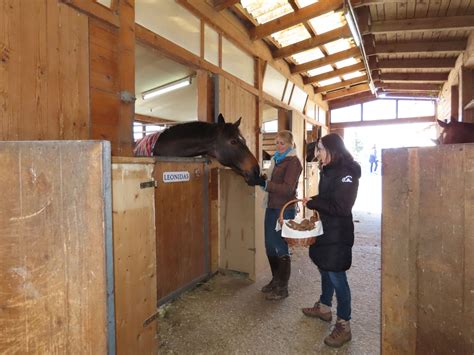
241, 215
428, 250
56, 267
134, 255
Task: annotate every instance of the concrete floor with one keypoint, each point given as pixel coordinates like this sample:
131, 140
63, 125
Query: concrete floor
229, 315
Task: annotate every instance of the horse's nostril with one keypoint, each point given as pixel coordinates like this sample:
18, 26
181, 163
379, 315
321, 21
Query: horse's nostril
256, 171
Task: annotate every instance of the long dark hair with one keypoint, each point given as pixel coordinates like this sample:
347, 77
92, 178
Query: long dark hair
334, 145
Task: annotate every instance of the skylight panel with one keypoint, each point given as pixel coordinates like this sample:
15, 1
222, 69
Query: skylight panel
303, 3
329, 81
352, 75
337, 46
320, 70
307, 56
291, 35
327, 22
264, 11
346, 63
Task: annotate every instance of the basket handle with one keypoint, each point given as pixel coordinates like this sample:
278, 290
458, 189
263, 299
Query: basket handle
315, 213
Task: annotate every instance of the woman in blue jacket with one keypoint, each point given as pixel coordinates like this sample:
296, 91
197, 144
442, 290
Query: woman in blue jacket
332, 252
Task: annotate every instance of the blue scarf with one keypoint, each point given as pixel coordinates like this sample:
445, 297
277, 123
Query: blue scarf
280, 156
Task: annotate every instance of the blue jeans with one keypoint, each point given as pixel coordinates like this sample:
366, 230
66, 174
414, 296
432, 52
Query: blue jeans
275, 245
336, 281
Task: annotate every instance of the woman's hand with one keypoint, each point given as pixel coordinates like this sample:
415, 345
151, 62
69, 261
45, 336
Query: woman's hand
305, 201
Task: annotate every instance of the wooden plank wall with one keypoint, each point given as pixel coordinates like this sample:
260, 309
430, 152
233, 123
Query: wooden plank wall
44, 71
53, 228
235, 102
134, 256
427, 249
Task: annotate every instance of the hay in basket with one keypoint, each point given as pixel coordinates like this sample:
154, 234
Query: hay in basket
300, 232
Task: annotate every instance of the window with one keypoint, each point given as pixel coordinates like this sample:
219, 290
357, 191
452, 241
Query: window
415, 108
379, 110
142, 129
346, 114
270, 126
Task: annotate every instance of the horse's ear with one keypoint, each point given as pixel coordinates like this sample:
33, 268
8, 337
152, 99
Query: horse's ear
237, 123
220, 119
442, 123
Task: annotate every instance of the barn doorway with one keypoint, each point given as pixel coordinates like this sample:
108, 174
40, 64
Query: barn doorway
361, 142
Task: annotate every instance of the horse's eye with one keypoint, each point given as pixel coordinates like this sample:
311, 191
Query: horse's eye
234, 141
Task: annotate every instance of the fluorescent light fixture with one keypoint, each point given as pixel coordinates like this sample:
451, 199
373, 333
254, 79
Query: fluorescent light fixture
163, 89
352, 27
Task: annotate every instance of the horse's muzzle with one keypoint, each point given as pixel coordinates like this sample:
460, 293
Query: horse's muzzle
252, 174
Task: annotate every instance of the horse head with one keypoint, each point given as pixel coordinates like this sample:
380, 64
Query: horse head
231, 150
455, 132
310, 147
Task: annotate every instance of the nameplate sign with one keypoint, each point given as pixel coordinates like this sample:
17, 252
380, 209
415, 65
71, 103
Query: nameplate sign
175, 176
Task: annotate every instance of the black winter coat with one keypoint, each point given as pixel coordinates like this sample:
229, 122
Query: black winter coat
338, 187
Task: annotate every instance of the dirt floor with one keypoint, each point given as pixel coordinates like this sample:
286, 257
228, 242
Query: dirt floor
229, 315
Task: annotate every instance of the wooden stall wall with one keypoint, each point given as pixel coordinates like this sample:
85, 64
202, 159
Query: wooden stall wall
44, 71
234, 102
182, 246
427, 250
134, 255
56, 262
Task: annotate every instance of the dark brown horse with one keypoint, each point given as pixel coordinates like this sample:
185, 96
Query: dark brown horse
456, 132
220, 140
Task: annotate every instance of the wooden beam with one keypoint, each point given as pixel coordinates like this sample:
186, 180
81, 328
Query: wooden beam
338, 33
340, 85
153, 120
220, 5
416, 63
409, 86
96, 10
346, 92
330, 59
408, 95
332, 74
421, 47
424, 24
383, 122
352, 100
441, 77
360, 3
304, 14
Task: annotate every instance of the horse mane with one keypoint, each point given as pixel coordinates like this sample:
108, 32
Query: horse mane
190, 129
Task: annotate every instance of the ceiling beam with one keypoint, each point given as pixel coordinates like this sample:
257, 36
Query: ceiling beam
441, 77
421, 47
359, 3
346, 92
433, 63
220, 5
332, 74
406, 94
330, 59
424, 24
340, 85
338, 33
409, 86
383, 122
352, 100
298, 16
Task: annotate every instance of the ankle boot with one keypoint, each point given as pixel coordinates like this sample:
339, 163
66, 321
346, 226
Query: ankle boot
273, 260
283, 275
340, 335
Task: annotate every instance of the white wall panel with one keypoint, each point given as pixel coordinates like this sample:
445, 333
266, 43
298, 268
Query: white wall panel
237, 62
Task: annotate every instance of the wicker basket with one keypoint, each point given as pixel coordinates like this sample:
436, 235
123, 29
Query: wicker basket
296, 241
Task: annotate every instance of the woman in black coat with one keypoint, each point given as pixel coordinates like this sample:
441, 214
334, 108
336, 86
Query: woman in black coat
332, 252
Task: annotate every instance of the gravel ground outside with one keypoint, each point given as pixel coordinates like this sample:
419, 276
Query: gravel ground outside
229, 315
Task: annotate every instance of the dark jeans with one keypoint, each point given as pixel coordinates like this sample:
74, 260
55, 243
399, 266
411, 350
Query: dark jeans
372, 165
336, 281
275, 245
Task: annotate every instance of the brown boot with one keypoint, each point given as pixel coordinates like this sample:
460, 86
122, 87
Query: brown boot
320, 311
282, 277
273, 260
340, 334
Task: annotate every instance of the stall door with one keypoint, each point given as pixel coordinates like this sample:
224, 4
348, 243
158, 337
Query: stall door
181, 202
